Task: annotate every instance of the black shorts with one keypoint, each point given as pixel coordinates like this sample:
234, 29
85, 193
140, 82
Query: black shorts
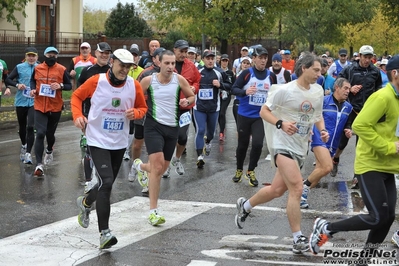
160, 138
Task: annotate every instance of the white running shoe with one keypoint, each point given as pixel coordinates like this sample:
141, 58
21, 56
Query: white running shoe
28, 158
126, 156
48, 158
132, 174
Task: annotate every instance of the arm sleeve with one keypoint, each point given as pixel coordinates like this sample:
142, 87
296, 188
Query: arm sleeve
364, 125
240, 82
10, 78
33, 81
140, 106
287, 76
331, 69
67, 82
86, 90
71, 66
225, 84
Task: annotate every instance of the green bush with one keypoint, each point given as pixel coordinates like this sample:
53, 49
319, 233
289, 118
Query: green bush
9, 100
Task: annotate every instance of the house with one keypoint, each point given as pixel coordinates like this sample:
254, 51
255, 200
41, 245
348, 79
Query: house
47, 22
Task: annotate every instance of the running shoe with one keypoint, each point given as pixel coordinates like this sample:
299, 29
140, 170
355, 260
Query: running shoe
318, 237
126, 156
132, 174
39, 171
300, 245
83, 141
207, 149
179, 168
141, 175
22, 153
355, 183
145, 192
167, 173
28, 158
252, 179
242, 214
84, 212
334, 171
48, 158
200, 161
156, 219
304, 198
221, 137
237, 177
395, 238
107, 240
89, 185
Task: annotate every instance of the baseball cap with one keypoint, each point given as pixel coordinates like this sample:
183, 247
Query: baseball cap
384, 61
103, 46
393, 63
355, 54
324, 62
51, 49
277, 57
124, 56
134, 46
246, 58
134, 51
181, 44
224, 57
208, 53
158, 51
366, 49
324, 55
192, 50
343, 51
85, 44
287, 52
244, 48
260, 51
31, 50
282, 51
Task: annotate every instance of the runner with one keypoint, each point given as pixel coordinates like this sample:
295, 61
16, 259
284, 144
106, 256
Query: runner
115, 99
290, 112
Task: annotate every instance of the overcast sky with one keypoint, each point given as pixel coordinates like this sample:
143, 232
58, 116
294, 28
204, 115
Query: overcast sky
106, 4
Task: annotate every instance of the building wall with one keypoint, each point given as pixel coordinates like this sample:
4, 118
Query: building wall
70, 16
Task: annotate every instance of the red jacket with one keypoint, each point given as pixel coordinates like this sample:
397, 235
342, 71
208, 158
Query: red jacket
190, 72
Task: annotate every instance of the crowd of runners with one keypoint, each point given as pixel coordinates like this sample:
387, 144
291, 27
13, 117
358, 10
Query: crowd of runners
123, 98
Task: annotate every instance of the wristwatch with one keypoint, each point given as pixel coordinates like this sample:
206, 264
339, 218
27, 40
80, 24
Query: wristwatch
62, 86
279, 124
16, 86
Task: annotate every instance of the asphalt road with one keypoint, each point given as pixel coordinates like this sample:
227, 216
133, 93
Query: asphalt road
39, 224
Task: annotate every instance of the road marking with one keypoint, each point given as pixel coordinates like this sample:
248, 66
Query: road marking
201, 263
72, 244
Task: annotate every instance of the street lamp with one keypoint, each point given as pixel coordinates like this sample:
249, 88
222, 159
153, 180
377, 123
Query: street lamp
52, 15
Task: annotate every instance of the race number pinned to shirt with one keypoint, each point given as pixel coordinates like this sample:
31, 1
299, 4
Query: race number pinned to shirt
185, 119
45, 90
26, 92
259, 98
113, 124
205, 94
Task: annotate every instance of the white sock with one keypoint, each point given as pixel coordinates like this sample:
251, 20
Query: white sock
247, 206
154, 210
296, 235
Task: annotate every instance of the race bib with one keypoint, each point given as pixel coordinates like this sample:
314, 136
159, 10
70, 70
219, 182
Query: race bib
113, 124
303, 128
26, 92
205, 94
259, 98
185, 119
46, 91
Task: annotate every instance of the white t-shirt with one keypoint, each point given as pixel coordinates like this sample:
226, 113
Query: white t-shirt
290, 102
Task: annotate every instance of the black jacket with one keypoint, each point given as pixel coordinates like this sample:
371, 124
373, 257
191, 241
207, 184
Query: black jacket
369, 78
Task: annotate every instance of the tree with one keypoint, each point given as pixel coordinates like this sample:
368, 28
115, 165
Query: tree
321, 22
391, 9
94, 20
124, 21
10, 7
223, 21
